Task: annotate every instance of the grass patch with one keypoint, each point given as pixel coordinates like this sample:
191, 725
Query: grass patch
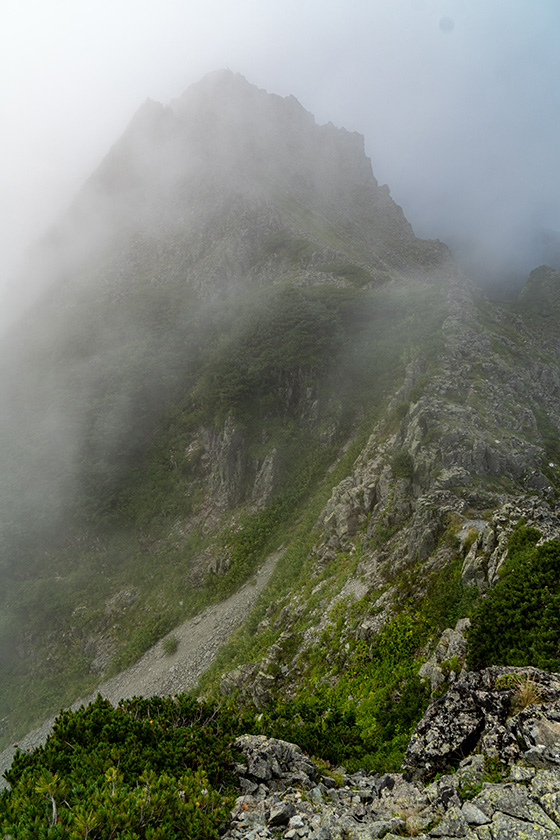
170, 645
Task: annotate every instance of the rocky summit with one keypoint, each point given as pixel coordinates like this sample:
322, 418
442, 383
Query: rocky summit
263, 445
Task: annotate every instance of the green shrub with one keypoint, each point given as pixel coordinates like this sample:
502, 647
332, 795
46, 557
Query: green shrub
525, 691
401, 409
451, 666
517, 624
469, 540
157, 768
170, 645
402, 464
162, 767
320, 728
493, 772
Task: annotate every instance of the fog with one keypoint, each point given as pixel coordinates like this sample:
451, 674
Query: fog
458, 102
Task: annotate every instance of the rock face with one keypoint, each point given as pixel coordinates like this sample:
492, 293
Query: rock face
448, 656
508, 713
462, 455
496, 733
227, 190
289, 794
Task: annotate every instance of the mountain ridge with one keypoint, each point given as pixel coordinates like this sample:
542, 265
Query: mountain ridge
251, 349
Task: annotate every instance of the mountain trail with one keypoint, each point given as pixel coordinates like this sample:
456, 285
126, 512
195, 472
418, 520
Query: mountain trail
156, 673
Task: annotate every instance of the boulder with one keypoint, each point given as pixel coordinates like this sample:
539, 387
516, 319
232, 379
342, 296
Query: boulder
281, 814
274, 763
537, 730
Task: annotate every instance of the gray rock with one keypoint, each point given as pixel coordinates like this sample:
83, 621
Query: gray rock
248, 786
236, 679
316, 796
321, 834
399, 795
265, 480
521, 774
226, 449
545, 789
453, 824
296, 821
474, 570
473, 815
270, 760
432, 672
513, 801
506, 827
537, 728
528, 808
281, 814
452, 645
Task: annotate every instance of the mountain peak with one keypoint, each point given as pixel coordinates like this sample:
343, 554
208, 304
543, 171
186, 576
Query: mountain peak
226, 142
226, 91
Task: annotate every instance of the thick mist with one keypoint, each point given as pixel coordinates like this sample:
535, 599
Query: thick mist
458, 104
226, 189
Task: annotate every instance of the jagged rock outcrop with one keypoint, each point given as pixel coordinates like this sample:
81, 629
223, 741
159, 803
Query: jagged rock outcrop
228, 192
227, 459
541, 293
510, 713
458, 461
448, 657
488, 550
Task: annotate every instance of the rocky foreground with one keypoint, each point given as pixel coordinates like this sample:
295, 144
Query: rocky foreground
506, 786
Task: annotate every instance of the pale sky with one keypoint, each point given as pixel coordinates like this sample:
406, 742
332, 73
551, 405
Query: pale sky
458, 100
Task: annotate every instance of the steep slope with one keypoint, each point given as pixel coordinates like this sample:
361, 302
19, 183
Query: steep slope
241, 345
419, 527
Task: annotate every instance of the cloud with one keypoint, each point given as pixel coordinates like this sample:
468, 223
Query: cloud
458, 100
